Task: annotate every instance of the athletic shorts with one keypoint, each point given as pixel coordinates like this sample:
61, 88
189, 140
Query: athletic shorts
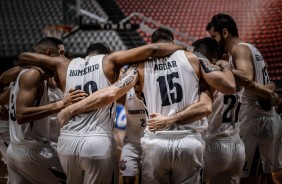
88, 157
172, 158
31, 163
224, 159
130, 159
257, 131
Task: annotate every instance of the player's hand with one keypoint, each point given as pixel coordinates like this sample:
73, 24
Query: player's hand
73, 96
64, 116
223, 64
158, 122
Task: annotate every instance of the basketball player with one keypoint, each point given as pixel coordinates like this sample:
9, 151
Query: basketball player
97, 71
187, 161
256, 125
136, 122
30, 154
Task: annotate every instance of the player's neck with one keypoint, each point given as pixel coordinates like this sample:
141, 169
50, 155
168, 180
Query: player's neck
232, 43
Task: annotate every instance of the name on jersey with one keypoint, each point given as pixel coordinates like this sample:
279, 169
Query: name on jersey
165, 66
86, 70
139, 111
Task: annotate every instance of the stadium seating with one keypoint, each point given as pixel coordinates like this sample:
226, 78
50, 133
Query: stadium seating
258, 21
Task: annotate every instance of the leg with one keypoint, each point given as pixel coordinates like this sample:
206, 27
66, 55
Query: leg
130, 162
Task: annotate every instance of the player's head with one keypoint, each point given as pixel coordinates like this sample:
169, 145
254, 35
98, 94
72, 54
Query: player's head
60, 45
48, 46
222, 27
208, 47
162, 35
98, 48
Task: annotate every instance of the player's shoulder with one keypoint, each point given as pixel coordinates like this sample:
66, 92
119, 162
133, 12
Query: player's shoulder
191, 56
240, 49
32, 75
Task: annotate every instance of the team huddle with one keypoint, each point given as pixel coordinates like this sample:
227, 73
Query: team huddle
201, 116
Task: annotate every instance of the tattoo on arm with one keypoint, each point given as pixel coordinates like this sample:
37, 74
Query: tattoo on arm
207, 66
127, 77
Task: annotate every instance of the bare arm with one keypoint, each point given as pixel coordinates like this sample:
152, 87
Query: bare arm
30, 85
143, 53
219, 77
55, 64
194, 112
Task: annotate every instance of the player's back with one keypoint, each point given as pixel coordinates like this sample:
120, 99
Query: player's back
87, 74
136, 117
170, 85
32, 132
223, 121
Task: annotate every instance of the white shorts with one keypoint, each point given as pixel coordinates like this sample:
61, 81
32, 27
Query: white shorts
130, 159
30, 164
224, 159
278, 144
258, 135
88, 157
172, 158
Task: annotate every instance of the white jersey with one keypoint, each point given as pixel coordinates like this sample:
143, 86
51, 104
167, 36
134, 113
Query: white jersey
87, 74
32, 132
223, 121
55, 95
260, 76
136, 117
170, 85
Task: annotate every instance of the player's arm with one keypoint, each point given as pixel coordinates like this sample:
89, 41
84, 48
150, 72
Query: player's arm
144, 52
122, 99
52, 63
218, 77
242, 59
30, 84
4, 96
102, 97
10, 75
192, 113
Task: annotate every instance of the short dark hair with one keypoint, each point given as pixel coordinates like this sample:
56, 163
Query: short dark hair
162, 34
49, 42
207, 46
98, 48
221, 21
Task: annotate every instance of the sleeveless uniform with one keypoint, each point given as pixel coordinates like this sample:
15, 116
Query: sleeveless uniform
55, 95
86, 145
173, 155
223, 144
136, 123
30, 154
257, 127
